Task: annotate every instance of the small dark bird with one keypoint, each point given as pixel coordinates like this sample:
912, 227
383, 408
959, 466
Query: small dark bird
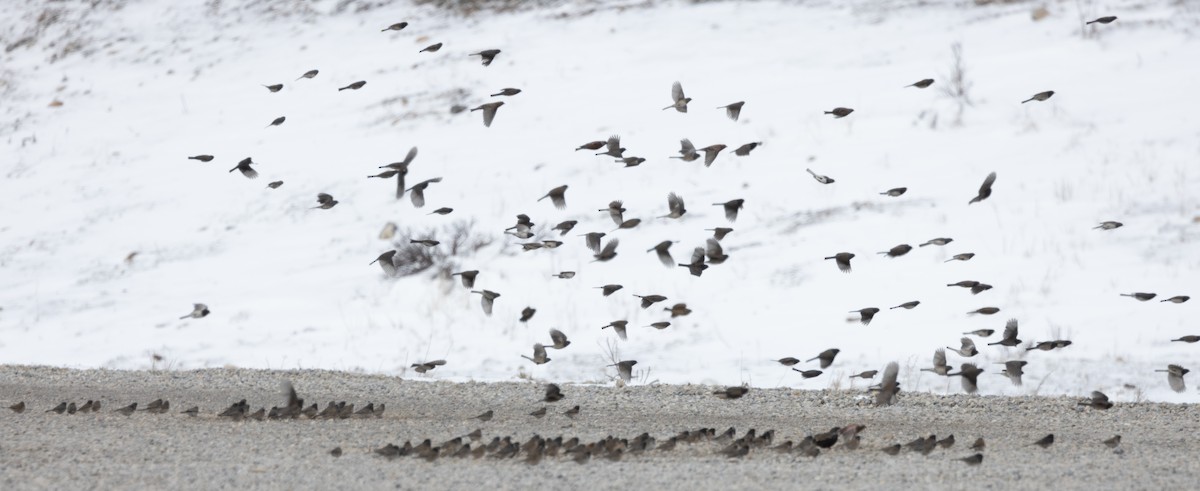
336, 452
732, 392
400, 171
1175, 375
488, 297
1103, 20
907, 305
354, 86
808, 373
625, 369
594, 145
527, 313
609, 251
788, 361
619, 328
442, 211
192, 411
309, 74
325, 201
396, 27
553, 393
1108, 225
967, 350
687, 151
697, 266
966, 256
539, 413
564, 227
866, 375
565, 275
539, 355
939, 363
199, 310
559, 339
1140, 296
733, 111
745, 150
127, 410
489, 111
1045, 441
826, 357
714, 252
558, 196
731, 208
1014, 369
984, 311
970, 377
277, 121
1177, 299
843, 260
274, 184
660, 325
719, 233
897, 251
1113, 442
664, 253
840, 112
1040, 96
1010, 335
614, 148
607, 290
985, 190
885, 394
418, 191
424, 242
426, 366
979, 444
487, 55
1187, 339
649, 300
940, 241
486, 416
433, 48
866, 314
921, 84
893, 449
18, 407
821, 179
86, 407
681, 102
468, 277
973, 459
62, 407
679, 310
244, 168
202, 158
894, 192
1098, 401
507, 92
572, 413
710, 153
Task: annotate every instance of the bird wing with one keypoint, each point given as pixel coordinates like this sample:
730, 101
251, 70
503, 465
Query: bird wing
489, 113
610, 248
731, 210
614, 144
675, 203
987, 183
558, 337
713, 248
412, 154
686, 147
939, 358
968, 345
677, 92
1010, 329
664, 256
539, 351
486, 301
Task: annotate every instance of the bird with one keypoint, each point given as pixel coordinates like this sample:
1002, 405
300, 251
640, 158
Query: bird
983, 333
486, 416
897, 251
354, 86
939, 363
821, 179
719, 233
660, 325
664, 253
426, 366
395, 27
894, 192
921, 84
613, 147
907, 305
714, 252
565, 275
788, 361
940, 241
745, 150
885, 394
418, 191
1108, 19
507, 92
539, 355
1140, 296
539, 412
687, 151
678, 310
967, 350
975, 459
18, 407
61, 408
274, 184
1045, 441
573, 412
1177, 299
681, 102
979, 444
840, 112
1040, 96
467, 277
424, 242
675, 206
625, 369
732, 392
826, 357
433, 48
866, 374
199, 310
192, 411
489, 111
244, 168
733, 111
981, 287
336, 452
618, 327
592, 145
1010, 335
325, 201
970, 377
274, 88
553, 393
127, 410
559, 339
1014, 369
609, 251
648, 300
1175, 375
1108, 225
608, 290
843, 260
87, 406
710, 153
401, 170
865, 315
985, 190
1113, 442
984, 311
1098, 400
527, 313
1187, 339
557, 196
202, 158
731, 208
442, 211
565, 226
488, 298
487, 55
696, 267
966, 256
309, 74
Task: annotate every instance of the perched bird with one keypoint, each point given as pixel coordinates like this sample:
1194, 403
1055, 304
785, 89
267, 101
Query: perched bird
733, 111
274, 184
199, 310
619, 328
354, 86
967, 350
593, 145
840, 112
486, 416
866, 375
61, 408
985, 190
1175, 375
1014, 369
87, 406
507, 92
202, 158
18, 407
427, 365
395, 27
467, 277
625, 369
553, 393
1140, 296
921, 84
539, 355
418, 191
939, 363
573, 412
973, 459
675, 206
865, 315
325, 201
1113, 442
539, 413
559, 339
127, 410
244, 168
648, 300
1098, 400
897, 251
894, 192
984, 311
1177, 299
433, 48
745, 150
609, 251
681, 102
826, 357
885, 394
558, 196
732, 392
843, 260
1010, 335
664, 253
1108, 225
613, 147
1103, 20
731, 208
1187, 339
893, 449
1045, 441
696, 267
487, 55
940, 241
970, 377
489, 111
336, 452
192, 411
710, 153
607, 290
488, 298
309, 74
527, 313
907, 305
1040, 96
966, 256
821, 179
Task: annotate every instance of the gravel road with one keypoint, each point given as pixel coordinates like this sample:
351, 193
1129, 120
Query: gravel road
106, 450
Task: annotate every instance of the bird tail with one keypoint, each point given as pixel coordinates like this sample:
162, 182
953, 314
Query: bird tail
925, 244
185, 317
1027, 100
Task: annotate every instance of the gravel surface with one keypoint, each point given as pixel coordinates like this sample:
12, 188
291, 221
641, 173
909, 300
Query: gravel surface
41, 450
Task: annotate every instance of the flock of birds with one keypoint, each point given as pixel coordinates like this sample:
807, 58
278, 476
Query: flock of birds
710, 254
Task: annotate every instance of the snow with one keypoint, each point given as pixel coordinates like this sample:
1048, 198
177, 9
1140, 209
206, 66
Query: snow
105, 174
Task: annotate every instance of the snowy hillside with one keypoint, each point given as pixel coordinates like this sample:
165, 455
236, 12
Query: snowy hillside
101, 106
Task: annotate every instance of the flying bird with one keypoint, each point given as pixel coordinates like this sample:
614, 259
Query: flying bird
354, 86
970, 377
840, 112
385, 261
648, 300
675, 205
897, 251
1014, 369
967, 350
921, 84
710, 153
401, 169
613, 147
487, 55
1175, 375
539, 355
199, 311
433, 48
1010, 335
907, 305
609, 251
731, 208
557, 196
681, 102
1108, 19
618, 327
202, 158
939, 363
696, 267
559, 339
274, 88
885, 394
894, 192
325, 201
418, 191
395, 27
488, 297
489, 111
745, 150
866, 314
625, 369
507, 92
733, 110
467, 277
985, 190
1040, 96
826, 357
1140, 296
664, 253
687, 151
821, 179
309, 74
1108, 225
843, 260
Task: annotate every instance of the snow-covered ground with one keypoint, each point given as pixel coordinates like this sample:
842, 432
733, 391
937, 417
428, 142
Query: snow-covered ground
144, 84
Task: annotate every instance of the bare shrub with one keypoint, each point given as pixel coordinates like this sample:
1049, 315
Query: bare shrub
456, 240
957, 88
